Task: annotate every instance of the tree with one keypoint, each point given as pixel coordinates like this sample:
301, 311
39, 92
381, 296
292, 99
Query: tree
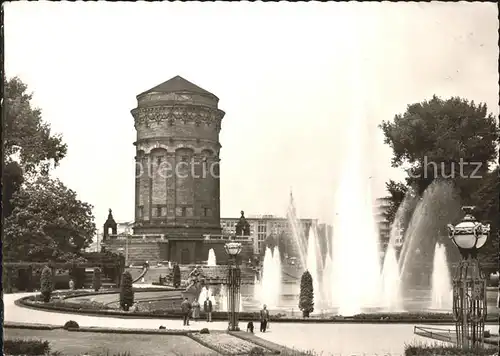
486, 200
26, 134
48, 221
46, 285
443, 138
177, 276
126, 291
451, 142
306, 298
96, 279
12, 182
397, 192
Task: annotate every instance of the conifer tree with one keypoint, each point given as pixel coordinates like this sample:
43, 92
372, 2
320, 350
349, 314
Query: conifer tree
306, 299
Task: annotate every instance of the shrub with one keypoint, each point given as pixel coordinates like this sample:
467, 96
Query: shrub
256, 351
306, 298
46, 285
26, 347
126, 291
204, 331
71, 324
96, 279
436, 349
177, 276
78, 276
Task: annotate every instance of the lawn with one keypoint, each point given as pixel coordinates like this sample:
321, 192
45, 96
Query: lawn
79, 343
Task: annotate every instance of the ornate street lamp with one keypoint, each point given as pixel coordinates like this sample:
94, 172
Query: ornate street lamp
233, 249
469, 284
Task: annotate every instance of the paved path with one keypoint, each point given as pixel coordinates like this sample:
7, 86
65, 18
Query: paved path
340, 339
16, 314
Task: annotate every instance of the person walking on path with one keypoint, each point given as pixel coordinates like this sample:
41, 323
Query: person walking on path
264, 317
196, 310
186, 310
207, 308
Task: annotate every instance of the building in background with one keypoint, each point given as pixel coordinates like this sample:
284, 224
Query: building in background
384, 227
262, 227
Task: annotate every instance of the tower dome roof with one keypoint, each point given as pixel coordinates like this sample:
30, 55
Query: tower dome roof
177, 84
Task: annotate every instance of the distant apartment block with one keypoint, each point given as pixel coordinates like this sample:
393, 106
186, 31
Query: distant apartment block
263, 226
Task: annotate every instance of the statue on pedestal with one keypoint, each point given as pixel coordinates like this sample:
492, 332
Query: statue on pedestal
195, 279
243, 227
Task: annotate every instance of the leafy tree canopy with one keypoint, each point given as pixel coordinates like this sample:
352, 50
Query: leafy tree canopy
444, 131
452, 140
48, 221
26, 134
432, 138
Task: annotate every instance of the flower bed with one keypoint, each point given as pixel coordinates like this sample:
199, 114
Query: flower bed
170, 308
224, 343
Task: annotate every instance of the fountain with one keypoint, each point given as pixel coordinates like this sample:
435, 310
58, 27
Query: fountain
326, 283
222, 300
278, 278
297, 230
356, 265
438, 203
204, 294
391, 281
256, 288
441, 284
312, 266
269, 289
212, 260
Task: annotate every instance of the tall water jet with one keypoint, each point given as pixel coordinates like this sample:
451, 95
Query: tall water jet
442, 297
297, 230
326, 282
438, 205
256, 288
222, 298
278, 278
356, 260
204, 294
391, 282
212, 260
270, 285
312, 266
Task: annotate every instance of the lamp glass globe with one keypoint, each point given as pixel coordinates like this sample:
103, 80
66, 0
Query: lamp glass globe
465, 241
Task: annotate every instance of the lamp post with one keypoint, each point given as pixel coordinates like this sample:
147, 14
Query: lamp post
469, 284
233, 249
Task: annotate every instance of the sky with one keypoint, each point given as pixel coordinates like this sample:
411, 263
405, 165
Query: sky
291, 77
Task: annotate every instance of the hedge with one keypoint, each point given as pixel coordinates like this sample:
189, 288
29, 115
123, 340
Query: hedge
445, 350
25, 347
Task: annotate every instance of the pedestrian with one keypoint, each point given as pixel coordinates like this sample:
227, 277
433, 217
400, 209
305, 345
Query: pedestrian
186, 310
264, 317
207, 308
196, 310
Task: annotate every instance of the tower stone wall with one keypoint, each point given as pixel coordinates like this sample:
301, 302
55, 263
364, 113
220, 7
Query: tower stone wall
177, 186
